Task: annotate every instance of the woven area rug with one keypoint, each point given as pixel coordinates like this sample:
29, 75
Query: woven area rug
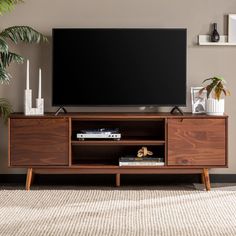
156, 210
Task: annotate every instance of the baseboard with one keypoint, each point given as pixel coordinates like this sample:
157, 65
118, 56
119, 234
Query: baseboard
109, 179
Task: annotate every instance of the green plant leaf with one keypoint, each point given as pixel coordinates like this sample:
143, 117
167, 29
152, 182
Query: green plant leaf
8, 5
210, 87
216, 85
8, 58
16, 34
3, 45
22, 34
207, 80
4, 75
5, 109
219, 78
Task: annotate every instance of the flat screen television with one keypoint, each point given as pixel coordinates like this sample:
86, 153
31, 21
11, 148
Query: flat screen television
119, 67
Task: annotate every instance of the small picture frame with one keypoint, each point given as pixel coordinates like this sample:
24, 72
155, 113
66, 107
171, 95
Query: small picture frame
198, 100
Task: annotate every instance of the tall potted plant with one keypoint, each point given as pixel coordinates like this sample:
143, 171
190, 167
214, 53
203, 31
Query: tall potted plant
15, 34
216, 90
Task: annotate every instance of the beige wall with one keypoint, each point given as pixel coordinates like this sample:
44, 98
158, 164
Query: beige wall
195, 15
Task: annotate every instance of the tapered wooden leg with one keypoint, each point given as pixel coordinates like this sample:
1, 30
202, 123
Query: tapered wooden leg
203, 178
32, 178
117, 180
207, 179
29, 178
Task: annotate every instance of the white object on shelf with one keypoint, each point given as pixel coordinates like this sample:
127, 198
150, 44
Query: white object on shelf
27, 75
40, 106
28, 110
28, 102
40, 84
232, 28
205, 40
215, 107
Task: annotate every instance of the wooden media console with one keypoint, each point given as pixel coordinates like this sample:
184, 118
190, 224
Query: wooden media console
48, 144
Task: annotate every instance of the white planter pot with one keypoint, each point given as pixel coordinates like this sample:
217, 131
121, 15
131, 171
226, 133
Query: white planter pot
215, 107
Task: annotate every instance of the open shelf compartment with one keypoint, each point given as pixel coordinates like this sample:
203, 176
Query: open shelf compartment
133, 132
108, 155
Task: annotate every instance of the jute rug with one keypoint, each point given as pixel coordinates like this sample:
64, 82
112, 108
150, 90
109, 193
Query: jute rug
159, 210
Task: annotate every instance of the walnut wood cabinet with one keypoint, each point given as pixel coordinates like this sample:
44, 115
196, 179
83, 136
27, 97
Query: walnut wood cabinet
193, 142
39, 142
47, 144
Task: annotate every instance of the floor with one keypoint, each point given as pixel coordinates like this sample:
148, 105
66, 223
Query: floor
140, 210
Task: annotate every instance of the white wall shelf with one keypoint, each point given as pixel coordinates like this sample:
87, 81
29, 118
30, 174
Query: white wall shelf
204, 40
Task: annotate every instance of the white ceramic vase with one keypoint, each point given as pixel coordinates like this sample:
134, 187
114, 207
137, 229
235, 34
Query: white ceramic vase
215, 107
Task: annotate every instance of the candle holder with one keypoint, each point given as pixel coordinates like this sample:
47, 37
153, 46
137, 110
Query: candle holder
40, 106
28, 109
28, 101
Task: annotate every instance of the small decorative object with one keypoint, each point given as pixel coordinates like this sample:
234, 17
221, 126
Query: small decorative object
28, 110
232, 28
143, 152
215, 37
142, 159
215, 102
198, 100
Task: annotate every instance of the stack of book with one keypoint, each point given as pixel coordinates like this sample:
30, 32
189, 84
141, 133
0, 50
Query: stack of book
144, 161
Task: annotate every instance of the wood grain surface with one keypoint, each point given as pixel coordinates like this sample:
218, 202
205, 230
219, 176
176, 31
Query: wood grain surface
197, 142
39, 142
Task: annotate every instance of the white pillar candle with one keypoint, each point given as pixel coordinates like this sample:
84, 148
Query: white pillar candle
40, 77
27, 75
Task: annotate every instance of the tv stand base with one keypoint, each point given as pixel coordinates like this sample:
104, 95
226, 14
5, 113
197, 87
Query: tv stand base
176, 109
31, 172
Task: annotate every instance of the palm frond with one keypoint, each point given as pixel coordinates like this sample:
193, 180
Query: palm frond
22, 34
5, 109
7, 58
4, 75
3, 45
8, 5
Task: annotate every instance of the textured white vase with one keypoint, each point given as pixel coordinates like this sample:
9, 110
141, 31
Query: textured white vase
215, 107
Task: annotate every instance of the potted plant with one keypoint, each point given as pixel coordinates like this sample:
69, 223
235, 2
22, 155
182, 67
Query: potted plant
15, 34
216, 90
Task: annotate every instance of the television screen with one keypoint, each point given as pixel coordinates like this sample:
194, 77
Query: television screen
109, 67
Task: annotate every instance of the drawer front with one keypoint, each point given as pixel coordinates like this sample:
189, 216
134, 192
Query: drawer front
39, 142
197, 142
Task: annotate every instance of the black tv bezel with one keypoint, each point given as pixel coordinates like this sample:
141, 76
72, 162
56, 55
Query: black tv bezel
121, 105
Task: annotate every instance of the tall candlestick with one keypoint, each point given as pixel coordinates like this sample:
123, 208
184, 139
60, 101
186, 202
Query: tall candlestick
27, 75
40, 77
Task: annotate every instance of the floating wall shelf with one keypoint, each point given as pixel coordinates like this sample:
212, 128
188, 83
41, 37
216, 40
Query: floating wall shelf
204, 40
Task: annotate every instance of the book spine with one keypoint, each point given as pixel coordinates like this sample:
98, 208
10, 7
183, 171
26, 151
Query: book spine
141, 159
141, 163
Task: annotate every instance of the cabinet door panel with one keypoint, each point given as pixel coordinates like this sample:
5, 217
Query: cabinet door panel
39, 142
197, 142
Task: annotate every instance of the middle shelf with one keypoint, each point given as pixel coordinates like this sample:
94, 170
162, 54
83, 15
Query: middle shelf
114, 142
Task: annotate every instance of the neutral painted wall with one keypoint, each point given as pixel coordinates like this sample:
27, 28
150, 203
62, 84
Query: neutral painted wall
195, 15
